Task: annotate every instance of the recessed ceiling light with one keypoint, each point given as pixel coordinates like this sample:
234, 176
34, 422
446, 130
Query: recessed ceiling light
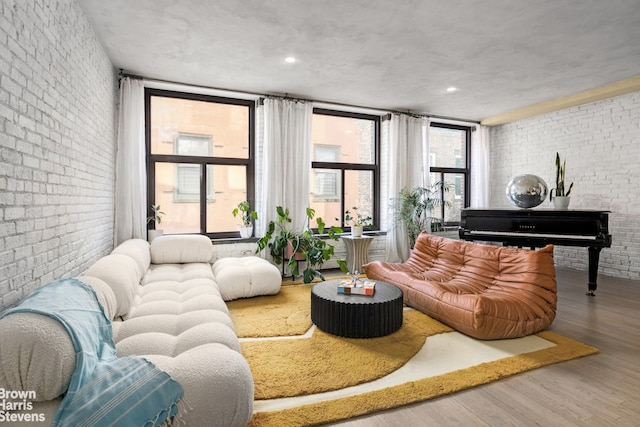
452, 89
290, 59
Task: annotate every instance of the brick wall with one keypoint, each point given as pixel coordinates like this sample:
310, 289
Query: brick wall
58, 94
601, 143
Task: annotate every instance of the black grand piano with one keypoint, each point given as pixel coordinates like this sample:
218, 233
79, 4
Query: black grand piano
536, 228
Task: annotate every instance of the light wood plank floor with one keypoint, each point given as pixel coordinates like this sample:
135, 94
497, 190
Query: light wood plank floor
598, 390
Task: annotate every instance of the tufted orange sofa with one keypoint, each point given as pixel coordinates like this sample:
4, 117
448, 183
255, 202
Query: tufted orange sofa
487, 292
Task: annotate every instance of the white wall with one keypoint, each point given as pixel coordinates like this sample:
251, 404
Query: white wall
58, 94
601, 144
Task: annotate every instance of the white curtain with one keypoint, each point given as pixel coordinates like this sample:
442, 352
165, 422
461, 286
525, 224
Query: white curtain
480, 162
286, 160
408, 167
130, 186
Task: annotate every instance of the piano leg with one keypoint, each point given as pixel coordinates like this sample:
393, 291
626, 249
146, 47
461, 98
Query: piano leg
594, 259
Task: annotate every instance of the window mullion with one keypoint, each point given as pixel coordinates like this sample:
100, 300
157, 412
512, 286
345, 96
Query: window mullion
203, 198
343, 166
343, 207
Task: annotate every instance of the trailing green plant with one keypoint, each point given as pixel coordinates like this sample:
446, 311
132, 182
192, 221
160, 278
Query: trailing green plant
244, 210
413, 209
285, 244
560, 183
156, 217
357, 219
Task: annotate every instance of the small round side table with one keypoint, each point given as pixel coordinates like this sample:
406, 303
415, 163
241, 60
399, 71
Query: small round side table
357, 251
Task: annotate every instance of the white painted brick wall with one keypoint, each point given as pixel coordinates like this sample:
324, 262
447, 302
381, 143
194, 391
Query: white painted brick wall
601, 143
58, 94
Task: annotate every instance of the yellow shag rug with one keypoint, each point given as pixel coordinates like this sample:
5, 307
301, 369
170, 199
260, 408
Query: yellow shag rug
304, 376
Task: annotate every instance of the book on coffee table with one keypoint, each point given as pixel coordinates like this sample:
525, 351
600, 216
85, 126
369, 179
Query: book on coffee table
357, 287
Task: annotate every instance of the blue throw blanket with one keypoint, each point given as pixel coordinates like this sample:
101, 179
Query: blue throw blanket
104, 390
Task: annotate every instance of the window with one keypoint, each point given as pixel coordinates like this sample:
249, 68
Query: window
187, 187
449, 148
326, 181
345, 166
200, 160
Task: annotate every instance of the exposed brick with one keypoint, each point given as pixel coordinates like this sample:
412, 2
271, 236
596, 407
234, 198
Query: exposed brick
57, 112
601, 144
13, 212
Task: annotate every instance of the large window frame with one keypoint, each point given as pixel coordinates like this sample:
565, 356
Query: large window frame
464, 169
202, 162
341, 168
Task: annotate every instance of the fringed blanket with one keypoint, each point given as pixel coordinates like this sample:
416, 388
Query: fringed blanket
104, 390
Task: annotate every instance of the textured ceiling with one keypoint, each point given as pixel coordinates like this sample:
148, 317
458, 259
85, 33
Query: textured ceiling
392, 55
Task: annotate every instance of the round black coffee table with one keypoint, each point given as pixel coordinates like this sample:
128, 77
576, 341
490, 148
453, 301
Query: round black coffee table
356, 316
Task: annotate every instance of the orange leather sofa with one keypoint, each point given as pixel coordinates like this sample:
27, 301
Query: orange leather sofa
487, 292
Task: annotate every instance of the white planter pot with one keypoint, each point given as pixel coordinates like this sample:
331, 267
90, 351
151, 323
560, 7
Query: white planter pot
356, 230
246, 231
561, 202
152, 234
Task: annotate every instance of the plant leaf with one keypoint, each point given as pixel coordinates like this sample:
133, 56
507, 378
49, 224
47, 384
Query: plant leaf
343, 265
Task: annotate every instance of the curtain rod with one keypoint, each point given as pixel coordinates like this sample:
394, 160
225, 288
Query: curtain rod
285, 96
123, 74
431, 116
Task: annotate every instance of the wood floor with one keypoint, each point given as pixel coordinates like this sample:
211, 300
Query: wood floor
598, 390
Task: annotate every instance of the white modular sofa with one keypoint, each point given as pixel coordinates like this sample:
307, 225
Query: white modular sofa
165, 305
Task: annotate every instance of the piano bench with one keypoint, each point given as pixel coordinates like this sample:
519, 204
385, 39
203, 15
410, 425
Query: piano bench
484, 291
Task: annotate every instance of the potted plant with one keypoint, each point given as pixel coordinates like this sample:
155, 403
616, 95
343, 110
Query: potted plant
413, 209
248, 216
358, 221
288, 246
156, 218
561, 198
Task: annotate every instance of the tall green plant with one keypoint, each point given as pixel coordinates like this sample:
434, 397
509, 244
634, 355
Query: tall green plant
413, 209
560, 183
284, 244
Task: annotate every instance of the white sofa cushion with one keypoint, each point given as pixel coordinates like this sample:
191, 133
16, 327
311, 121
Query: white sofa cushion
164, 274
36, 355
105, 295
217, 384
137, 249
181, 249
246, 277
120, 272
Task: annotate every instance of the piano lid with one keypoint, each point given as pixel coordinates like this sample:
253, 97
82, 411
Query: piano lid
536, 221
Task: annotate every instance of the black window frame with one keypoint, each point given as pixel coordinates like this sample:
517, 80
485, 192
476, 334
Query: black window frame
342, 167
465, 171
202, 161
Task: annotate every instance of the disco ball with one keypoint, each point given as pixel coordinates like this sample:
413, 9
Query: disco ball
526, 191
